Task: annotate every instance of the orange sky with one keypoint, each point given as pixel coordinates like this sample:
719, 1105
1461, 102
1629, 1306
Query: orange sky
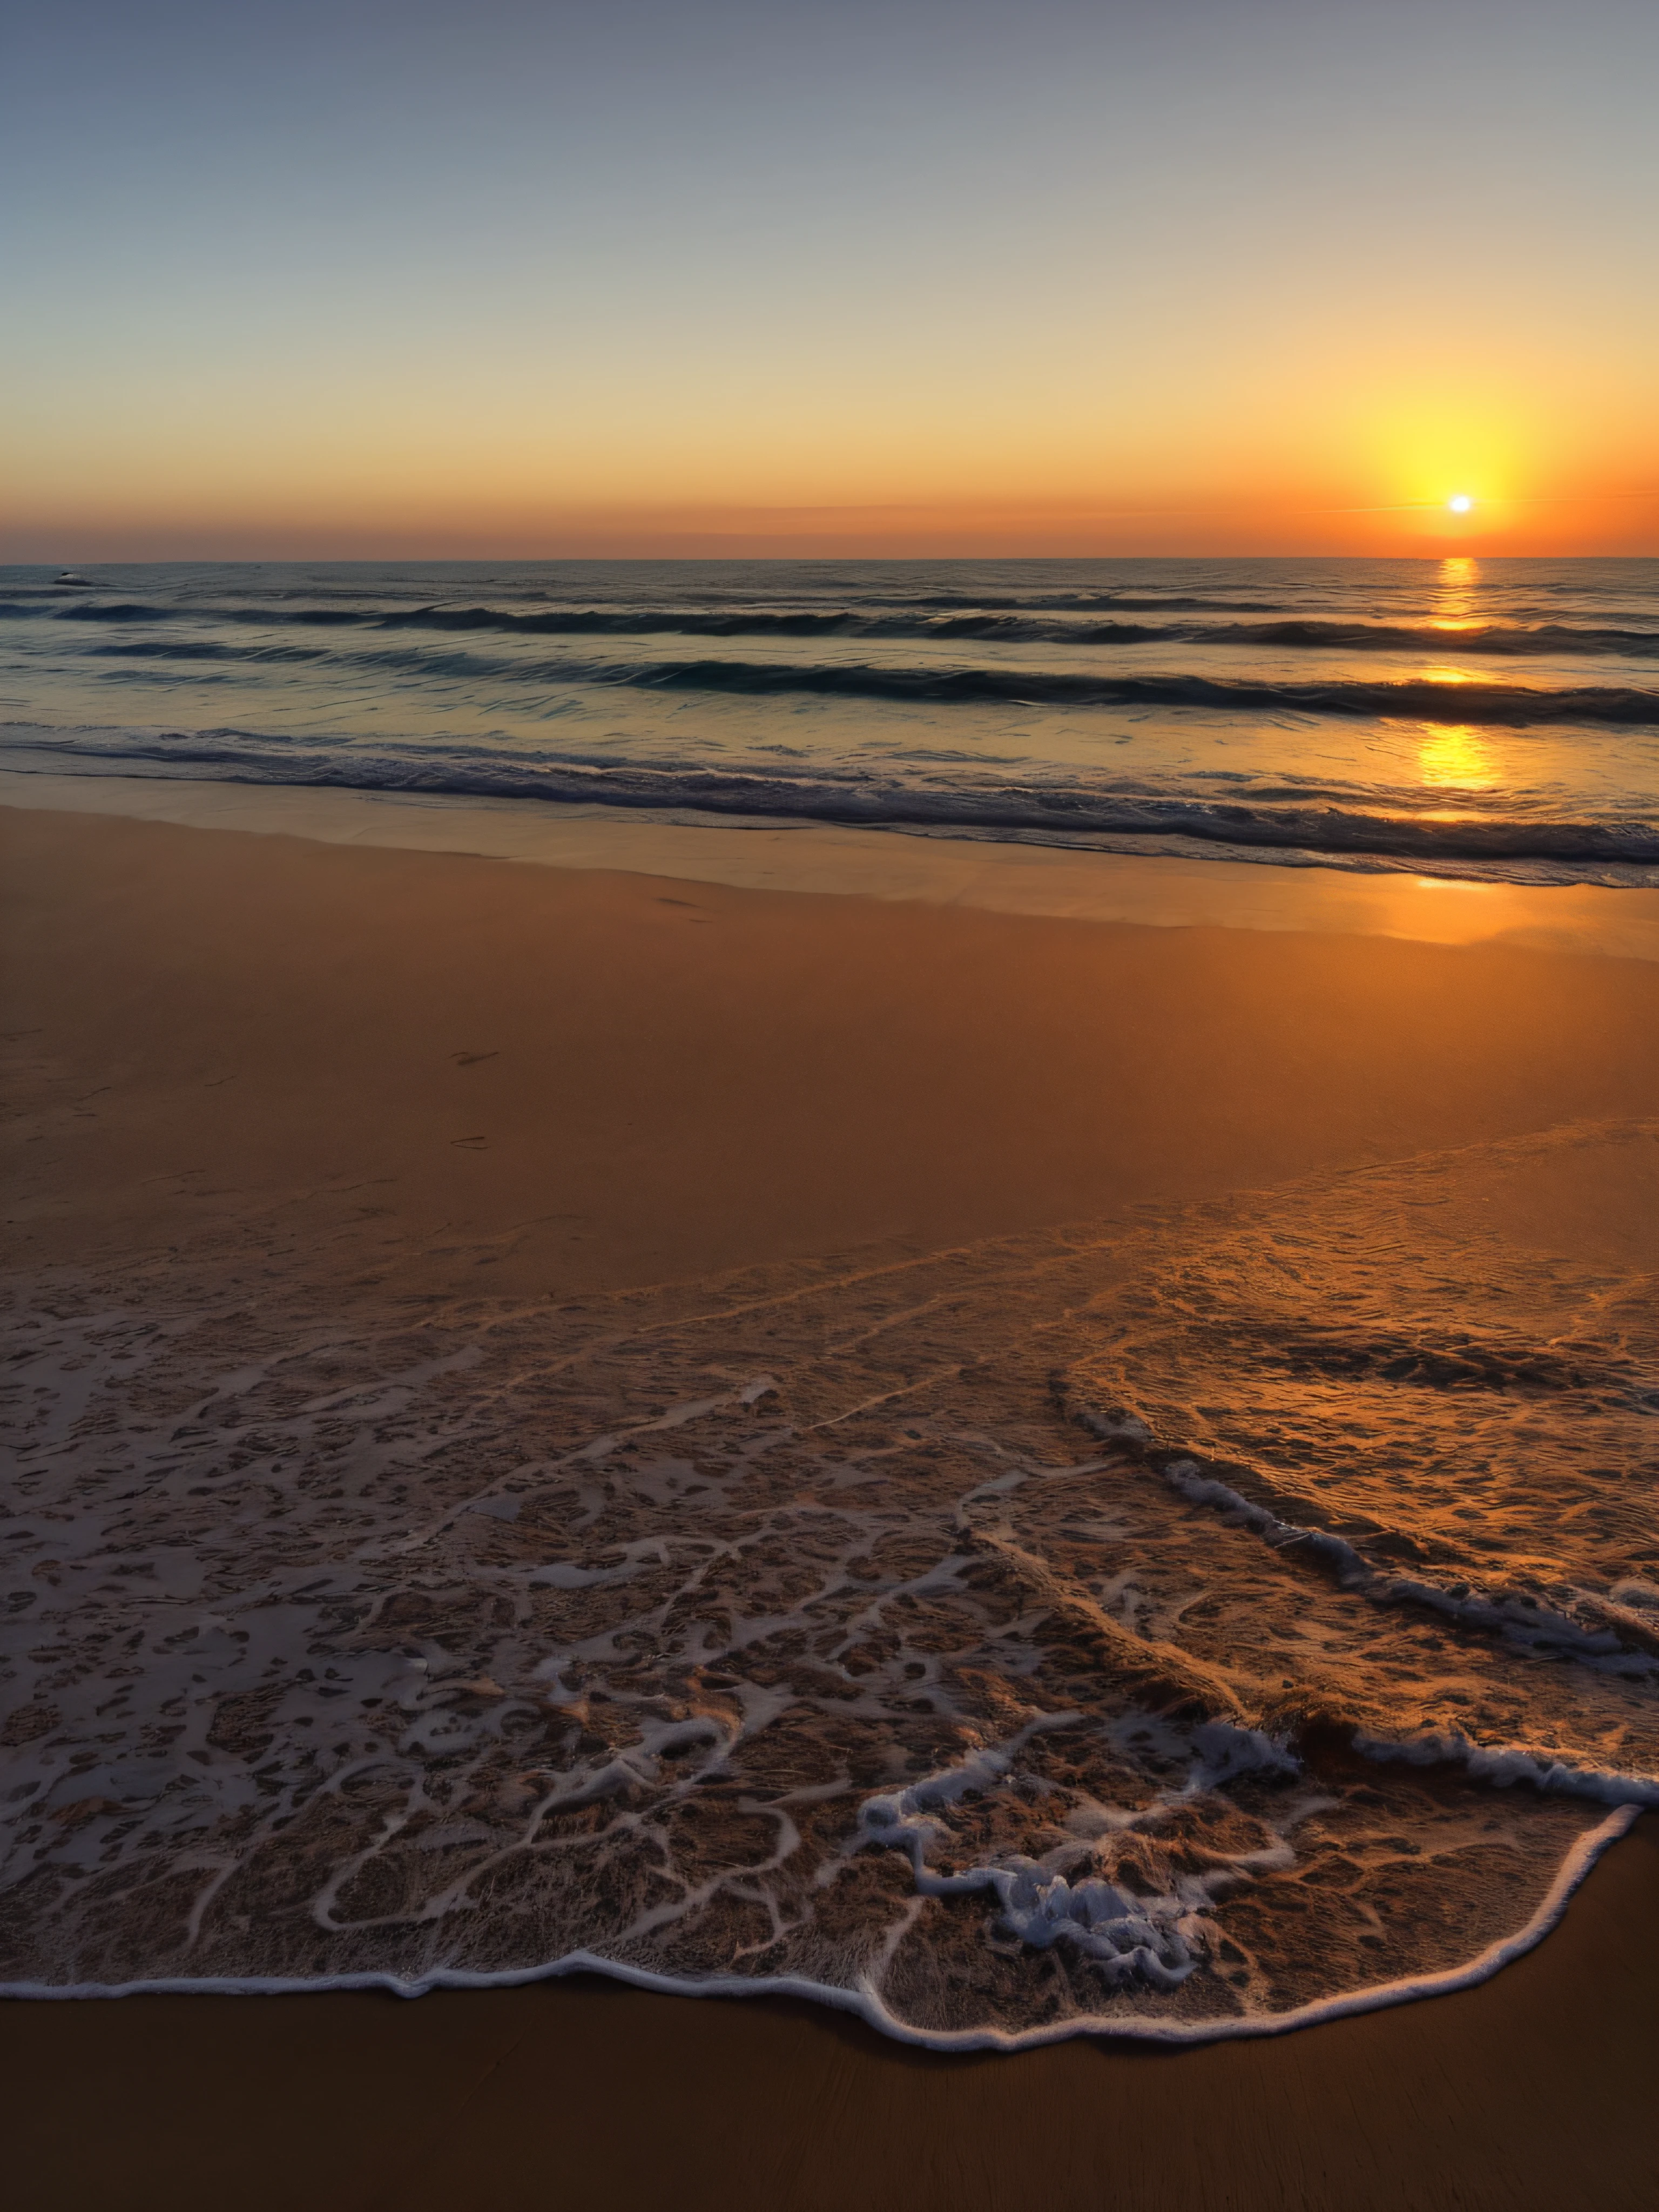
922, 280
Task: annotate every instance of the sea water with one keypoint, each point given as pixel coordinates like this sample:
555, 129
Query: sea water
1184, 1625
1492, 718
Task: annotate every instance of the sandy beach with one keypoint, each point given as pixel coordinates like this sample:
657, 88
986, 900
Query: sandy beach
612, 1079
420, 1072
829, 1108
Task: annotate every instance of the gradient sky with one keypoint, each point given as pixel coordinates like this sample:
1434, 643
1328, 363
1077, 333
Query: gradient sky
520, 276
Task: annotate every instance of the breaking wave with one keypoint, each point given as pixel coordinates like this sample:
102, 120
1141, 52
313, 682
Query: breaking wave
1475, 718
1238, 818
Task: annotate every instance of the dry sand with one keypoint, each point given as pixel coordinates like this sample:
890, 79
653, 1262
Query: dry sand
396, 1065
615, 1078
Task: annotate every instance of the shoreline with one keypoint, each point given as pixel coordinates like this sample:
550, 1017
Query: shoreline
604, 1078
1575, 1870
230, 1036
1530, 2092
1057, 881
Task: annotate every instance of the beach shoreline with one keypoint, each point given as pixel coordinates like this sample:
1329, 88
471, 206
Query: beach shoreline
1528, 2091
223, 1041
611, 1078
1055, 880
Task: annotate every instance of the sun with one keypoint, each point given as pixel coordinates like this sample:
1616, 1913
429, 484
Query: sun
1460, 502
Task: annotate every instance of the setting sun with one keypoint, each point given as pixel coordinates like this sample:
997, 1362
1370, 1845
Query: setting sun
1460, 502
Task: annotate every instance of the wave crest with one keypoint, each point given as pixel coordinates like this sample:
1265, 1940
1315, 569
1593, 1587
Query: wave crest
1305, 825
1017, 624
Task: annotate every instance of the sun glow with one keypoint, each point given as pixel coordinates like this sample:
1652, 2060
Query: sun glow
1460, 502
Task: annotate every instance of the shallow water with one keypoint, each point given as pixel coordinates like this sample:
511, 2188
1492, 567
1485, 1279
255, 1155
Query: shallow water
1492, 718
1175, 1625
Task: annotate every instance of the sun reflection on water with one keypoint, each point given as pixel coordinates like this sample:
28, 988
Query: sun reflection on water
1455, 588
1452, 757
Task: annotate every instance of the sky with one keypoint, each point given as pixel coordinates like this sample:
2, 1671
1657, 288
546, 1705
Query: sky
384, 278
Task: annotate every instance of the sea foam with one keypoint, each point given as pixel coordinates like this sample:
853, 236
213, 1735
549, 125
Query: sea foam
786, 1633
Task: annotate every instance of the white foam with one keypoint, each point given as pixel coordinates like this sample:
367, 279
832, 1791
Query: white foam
1504, 1765
758, 1635
1156, 1938
1516, 1615
866, 2003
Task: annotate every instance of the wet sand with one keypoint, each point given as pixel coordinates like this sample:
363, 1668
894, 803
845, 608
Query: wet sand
1531, 2094
610, 1078
395, 1066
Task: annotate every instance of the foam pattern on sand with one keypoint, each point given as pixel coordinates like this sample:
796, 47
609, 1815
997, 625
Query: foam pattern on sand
1178, 1627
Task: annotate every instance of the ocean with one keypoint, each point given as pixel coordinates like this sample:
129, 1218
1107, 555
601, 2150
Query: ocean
1186, 1625
1476, 719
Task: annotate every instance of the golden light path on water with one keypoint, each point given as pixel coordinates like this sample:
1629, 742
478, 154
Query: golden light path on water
1453, 605
1452, 756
